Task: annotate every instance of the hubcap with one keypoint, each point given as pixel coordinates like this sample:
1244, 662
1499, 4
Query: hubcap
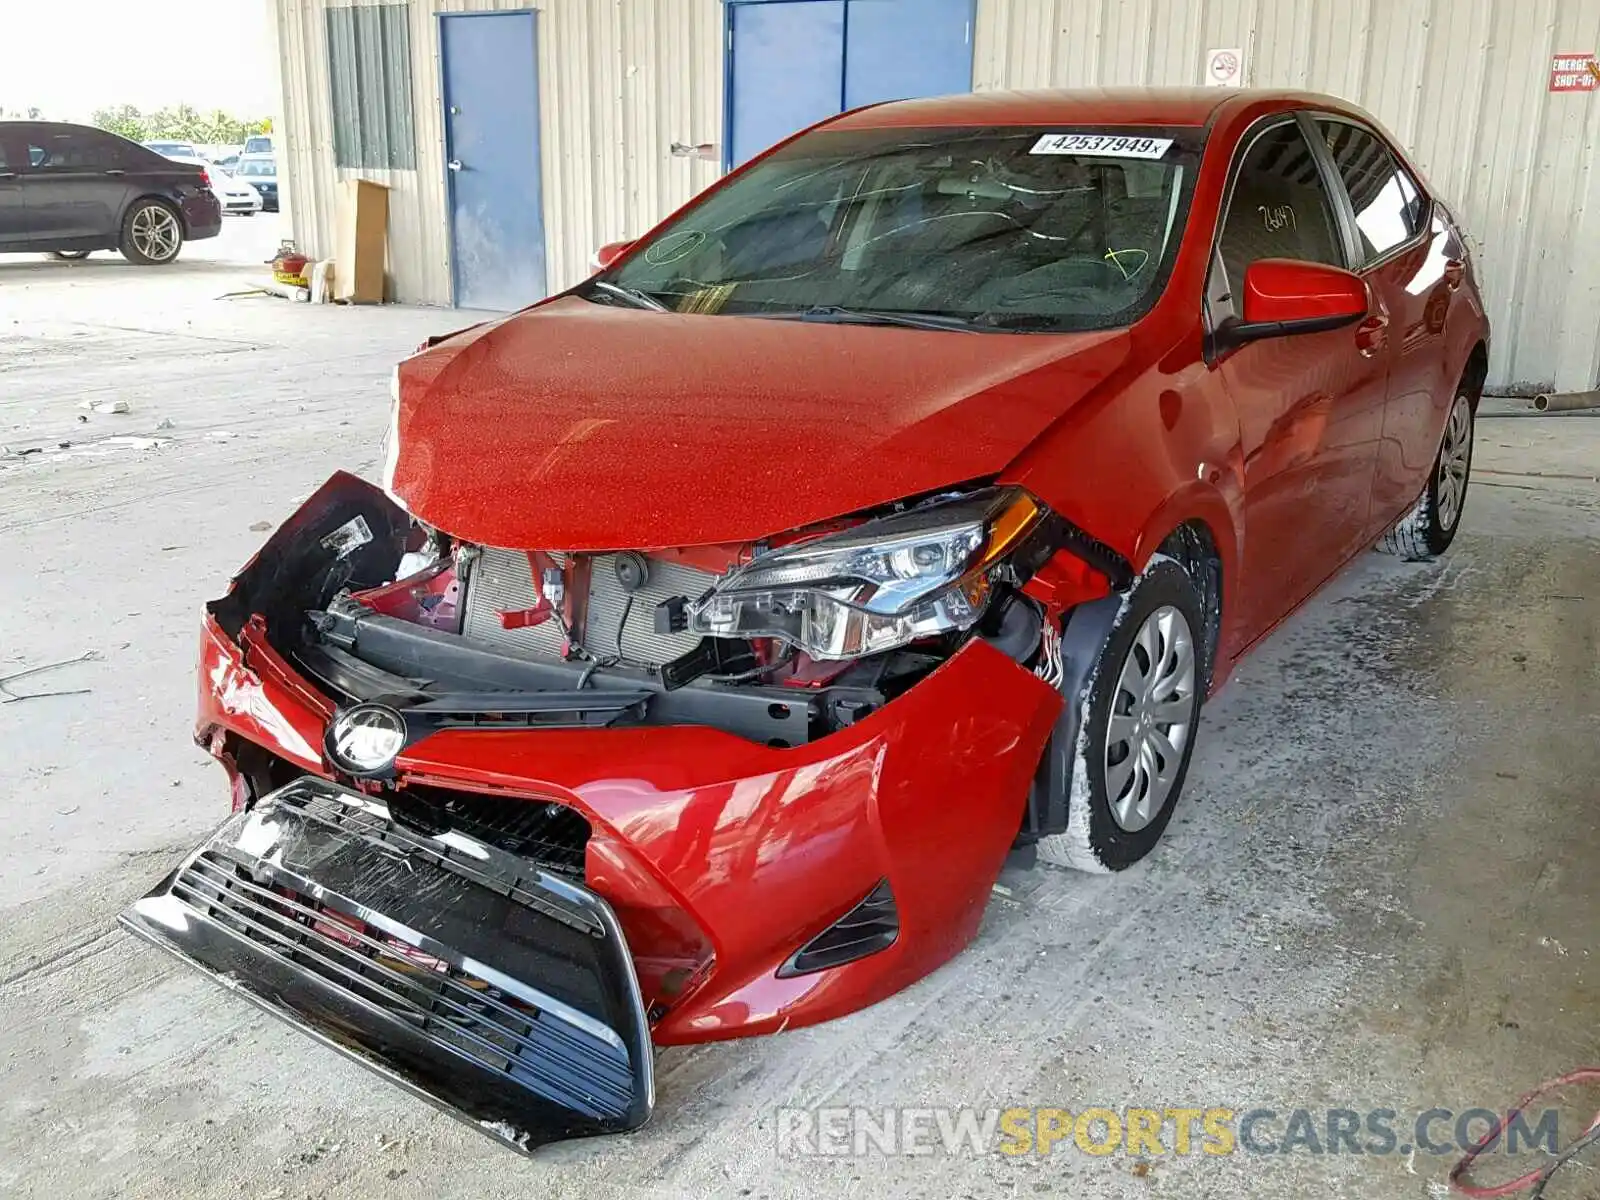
1152, 711
155, 232
1454, 456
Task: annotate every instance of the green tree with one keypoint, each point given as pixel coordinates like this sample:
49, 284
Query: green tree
124, 119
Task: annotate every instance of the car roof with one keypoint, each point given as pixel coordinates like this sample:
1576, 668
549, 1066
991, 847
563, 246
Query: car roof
1193, 106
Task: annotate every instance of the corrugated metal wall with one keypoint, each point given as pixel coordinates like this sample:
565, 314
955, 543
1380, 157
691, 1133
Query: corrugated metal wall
1461, 83
620, 81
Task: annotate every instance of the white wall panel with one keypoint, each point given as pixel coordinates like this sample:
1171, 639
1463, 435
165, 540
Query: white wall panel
619, 82
1462, 83
1459, 82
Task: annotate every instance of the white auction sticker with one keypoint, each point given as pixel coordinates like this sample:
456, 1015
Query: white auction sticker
1103, 145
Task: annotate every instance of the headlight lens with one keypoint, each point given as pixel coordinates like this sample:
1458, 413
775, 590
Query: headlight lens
877, 586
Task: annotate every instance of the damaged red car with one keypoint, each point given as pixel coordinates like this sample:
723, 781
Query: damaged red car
721, 624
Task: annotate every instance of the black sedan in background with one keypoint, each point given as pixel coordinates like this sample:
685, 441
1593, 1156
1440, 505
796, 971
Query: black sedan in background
260, 171
71, 189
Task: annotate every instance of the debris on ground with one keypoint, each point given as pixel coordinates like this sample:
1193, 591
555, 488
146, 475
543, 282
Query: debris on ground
7, 696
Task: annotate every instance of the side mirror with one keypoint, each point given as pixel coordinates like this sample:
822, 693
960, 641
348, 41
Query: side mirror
609, 253
1284, 296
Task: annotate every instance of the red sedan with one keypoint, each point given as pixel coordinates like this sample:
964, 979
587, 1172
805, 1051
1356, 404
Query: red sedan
723, 622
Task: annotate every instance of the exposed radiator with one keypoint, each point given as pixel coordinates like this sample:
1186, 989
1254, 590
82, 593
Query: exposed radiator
501, 581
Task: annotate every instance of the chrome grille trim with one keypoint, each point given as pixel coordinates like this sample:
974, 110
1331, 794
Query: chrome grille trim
494, 1037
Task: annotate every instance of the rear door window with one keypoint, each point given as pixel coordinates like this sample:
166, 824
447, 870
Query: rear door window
72, 150
1389, 206
1280, 207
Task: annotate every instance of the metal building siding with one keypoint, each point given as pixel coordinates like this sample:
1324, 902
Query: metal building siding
1461, 83
619, 82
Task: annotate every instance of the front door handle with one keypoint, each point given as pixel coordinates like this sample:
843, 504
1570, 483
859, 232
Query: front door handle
1372, 335
454, 164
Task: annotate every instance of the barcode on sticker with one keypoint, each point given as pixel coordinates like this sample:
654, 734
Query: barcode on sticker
1105, 145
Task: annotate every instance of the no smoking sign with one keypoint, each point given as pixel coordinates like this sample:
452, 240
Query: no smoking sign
1225, 67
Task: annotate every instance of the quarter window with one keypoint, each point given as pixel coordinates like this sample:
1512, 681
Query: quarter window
1387, 202
1280, 207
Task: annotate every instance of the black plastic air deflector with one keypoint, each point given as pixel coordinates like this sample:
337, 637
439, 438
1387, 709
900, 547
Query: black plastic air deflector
869, 927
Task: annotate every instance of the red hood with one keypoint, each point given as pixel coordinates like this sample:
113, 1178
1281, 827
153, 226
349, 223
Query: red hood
580, 426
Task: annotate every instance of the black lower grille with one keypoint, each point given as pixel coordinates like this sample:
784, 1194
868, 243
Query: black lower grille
477, 978
452, 1006
543, 832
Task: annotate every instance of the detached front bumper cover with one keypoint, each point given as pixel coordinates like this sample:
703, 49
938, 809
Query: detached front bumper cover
500, 993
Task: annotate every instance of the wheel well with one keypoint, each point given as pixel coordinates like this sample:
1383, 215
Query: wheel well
1476, 373
1194, 547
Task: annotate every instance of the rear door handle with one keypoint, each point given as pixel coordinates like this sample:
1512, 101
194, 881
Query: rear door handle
1372, 335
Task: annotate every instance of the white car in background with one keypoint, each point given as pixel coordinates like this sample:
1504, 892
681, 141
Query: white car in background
237, 196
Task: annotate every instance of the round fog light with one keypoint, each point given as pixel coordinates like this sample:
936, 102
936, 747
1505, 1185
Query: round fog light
366, 738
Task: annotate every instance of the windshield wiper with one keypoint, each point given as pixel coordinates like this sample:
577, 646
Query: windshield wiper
871, 316
632, 295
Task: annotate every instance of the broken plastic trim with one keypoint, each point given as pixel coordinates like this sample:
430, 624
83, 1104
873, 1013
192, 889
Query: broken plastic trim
518, 1011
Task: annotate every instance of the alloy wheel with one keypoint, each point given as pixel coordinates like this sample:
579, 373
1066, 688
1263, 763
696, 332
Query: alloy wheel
1152, 714
1455, 455
155, 233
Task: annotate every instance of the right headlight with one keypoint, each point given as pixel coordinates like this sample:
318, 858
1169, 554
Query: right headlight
879, 585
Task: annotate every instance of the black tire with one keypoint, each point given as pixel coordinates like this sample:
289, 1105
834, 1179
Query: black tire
142, 247
69, 255
1428, 529
1095, 839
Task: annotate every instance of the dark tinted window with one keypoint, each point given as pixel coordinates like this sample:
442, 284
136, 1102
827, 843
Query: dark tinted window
1389, 209
1026, 228
1280, 206
72, 150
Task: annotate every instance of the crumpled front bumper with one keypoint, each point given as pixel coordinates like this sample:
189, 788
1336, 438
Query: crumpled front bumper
495, 990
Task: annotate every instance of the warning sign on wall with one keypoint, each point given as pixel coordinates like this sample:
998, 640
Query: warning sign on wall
1574, 73
1225, 67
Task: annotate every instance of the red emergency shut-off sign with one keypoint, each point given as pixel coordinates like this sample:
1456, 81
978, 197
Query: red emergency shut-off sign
1574, 73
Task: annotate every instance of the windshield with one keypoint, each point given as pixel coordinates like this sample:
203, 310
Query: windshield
256, 168
1016, 228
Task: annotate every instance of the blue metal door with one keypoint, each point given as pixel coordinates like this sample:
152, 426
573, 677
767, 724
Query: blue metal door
794, 62
784, 70
491, 126
896, 49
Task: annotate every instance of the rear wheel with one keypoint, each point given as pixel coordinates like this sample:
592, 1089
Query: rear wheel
1142, 714
1429, 528
151, 233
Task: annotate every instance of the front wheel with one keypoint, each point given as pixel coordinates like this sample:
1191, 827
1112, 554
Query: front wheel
1141, 715
1429, 528
151, 234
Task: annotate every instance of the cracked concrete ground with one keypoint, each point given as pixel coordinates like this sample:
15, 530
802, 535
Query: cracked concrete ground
1380, 890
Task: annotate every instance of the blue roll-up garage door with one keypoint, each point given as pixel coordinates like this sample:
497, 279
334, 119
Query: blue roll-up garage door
793, 62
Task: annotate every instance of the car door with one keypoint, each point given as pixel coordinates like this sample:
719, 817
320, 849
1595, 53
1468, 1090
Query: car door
1405, 258
75, 184
13, 217
1310, 406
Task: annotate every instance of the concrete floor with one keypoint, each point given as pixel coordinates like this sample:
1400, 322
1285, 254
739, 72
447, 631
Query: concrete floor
1380, 890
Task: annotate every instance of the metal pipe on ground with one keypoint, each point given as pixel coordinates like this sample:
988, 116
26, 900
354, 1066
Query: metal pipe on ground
1566, 401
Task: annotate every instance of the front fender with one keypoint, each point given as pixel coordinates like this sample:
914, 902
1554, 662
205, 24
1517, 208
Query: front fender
1144, 455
